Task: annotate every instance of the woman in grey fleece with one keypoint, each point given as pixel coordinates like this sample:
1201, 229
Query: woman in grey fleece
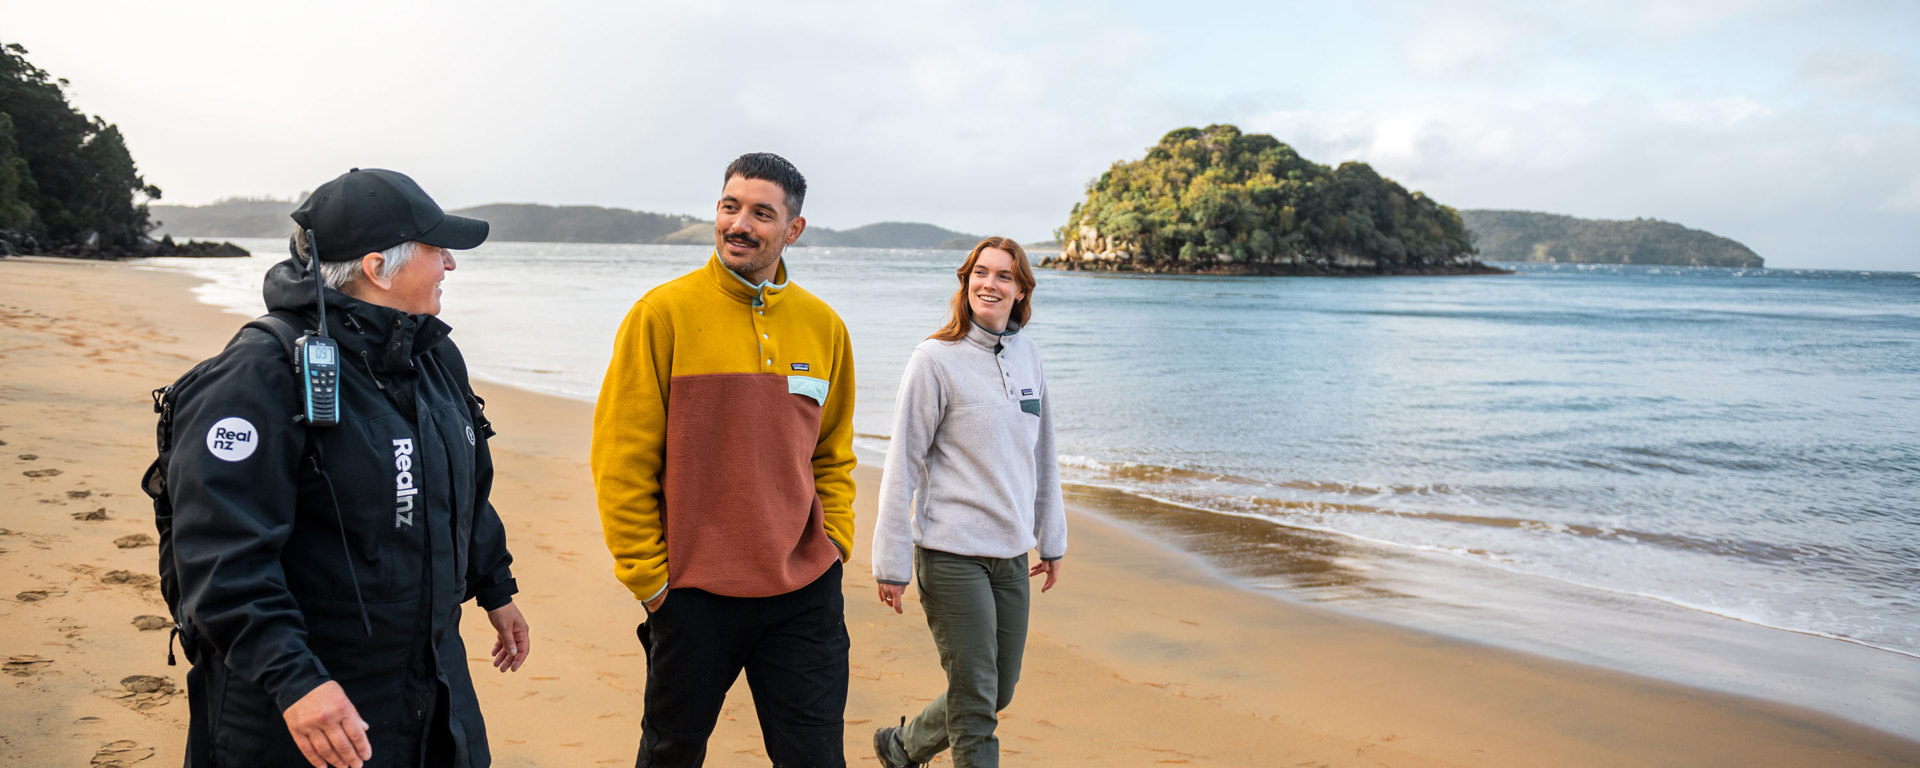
971, 484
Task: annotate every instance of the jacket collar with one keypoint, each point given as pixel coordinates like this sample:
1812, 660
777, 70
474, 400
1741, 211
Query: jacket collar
989, 340
386, 337
733, 285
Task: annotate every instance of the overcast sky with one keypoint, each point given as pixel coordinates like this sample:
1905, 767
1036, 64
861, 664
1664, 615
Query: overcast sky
1792, 127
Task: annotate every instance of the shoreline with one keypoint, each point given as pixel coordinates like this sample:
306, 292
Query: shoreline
1144, 655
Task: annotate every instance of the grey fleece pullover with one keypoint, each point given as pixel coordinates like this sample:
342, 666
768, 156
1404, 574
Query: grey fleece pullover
972, 468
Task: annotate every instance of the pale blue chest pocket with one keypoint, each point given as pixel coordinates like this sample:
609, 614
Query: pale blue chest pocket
809, 386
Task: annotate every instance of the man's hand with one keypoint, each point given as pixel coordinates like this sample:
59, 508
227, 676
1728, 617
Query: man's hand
890, 594
328, 729
1049, 567
510, 649
656, 602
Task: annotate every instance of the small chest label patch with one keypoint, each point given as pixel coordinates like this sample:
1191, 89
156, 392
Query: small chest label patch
470, 434
802, 367
1026, 393
232, 439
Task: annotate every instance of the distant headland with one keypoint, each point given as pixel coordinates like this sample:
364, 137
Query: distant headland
1551, 237
528, 222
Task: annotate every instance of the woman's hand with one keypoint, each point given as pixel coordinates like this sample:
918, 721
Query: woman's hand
512, 645
890, 594
327, 729
1049, 567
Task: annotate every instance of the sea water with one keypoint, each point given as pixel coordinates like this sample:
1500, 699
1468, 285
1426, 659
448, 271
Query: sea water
1709, 475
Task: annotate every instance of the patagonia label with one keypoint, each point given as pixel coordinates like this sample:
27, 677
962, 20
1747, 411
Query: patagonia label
1031, 405
809, 387
802, 367
1026, 393
232, 439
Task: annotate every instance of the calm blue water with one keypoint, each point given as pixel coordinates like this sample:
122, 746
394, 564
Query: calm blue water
1741, 444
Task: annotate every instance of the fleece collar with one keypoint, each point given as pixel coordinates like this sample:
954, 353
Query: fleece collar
991, 340
732, 284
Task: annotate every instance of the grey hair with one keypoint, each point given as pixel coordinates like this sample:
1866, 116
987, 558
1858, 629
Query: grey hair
339, 274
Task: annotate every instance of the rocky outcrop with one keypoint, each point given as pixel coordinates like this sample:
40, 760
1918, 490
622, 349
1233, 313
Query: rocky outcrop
91, 246
1092, 251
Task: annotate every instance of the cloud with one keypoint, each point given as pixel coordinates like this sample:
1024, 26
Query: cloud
1862, 74
1471, 39
1786, 125
1904, 200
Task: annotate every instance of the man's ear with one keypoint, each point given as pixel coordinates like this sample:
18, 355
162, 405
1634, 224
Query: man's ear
795, 227
370, 268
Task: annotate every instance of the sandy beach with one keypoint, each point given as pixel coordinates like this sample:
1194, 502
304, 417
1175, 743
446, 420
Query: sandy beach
1142, 656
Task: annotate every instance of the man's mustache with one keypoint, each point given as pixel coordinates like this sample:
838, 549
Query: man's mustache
746, 240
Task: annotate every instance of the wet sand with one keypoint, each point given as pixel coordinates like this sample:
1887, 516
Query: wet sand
1143, 655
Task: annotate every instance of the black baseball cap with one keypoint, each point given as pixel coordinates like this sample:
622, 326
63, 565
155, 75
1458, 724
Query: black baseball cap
364, 211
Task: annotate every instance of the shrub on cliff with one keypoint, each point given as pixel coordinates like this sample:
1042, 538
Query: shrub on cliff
1215, 199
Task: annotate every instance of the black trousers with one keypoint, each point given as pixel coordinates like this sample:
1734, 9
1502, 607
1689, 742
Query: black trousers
794, 650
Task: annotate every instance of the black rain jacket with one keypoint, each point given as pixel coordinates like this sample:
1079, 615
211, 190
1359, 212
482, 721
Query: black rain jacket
282, 573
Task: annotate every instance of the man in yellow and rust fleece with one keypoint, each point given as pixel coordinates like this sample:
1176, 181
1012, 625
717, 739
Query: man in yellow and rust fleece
723, 460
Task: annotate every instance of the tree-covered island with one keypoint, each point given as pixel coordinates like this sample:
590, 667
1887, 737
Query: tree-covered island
1218, 201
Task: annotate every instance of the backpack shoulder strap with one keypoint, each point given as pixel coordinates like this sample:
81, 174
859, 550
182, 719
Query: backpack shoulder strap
282, 325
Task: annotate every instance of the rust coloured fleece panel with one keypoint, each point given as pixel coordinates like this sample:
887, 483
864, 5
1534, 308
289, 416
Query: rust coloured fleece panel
740, 514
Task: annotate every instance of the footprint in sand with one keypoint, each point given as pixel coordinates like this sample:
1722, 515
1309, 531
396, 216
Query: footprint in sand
143, 692
150, 622
25, 665
41, 473
29, 456
78, 494
98, 514
141, 580
33, 595
133, 541
120, 754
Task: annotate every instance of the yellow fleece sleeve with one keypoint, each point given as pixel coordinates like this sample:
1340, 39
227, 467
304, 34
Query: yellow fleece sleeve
833, 459
629, 442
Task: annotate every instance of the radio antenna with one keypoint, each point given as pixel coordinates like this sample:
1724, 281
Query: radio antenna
319, 286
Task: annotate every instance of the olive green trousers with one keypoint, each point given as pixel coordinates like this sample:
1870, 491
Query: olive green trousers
977, 609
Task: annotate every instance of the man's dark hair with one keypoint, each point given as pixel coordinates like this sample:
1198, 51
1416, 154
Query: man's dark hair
771, 167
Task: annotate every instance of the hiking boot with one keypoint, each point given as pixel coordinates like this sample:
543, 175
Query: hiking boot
890, 749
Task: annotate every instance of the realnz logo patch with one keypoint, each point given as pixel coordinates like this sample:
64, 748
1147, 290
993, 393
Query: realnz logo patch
470, 434
403, 486
232, 439
802, 367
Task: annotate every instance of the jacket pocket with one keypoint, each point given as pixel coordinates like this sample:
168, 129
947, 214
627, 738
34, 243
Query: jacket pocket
810, 387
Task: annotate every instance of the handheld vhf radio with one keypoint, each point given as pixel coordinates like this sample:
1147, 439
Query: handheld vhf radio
319, 356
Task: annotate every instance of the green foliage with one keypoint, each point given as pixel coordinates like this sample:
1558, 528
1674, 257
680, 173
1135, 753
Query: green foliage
61, 172
1529, 236
16, 181
1214, 198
